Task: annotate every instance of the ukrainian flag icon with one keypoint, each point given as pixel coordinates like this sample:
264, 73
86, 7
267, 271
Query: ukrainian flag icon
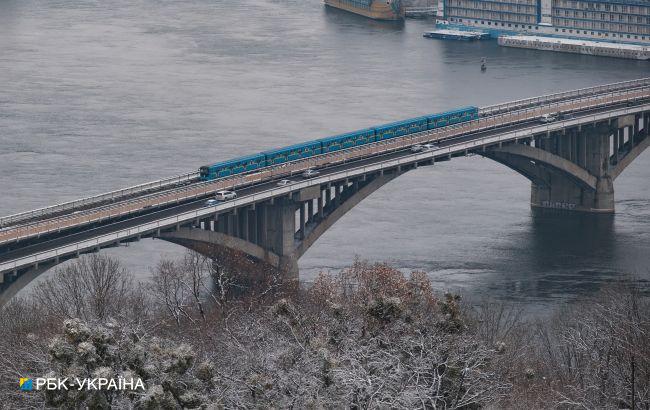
26, 384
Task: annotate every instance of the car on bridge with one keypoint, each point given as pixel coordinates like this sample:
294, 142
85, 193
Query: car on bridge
423, 147
284, 182
210, 202
546, 118
310, 173
225, 195
565, 116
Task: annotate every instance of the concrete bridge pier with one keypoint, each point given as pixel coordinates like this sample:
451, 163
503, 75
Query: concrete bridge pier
575, 168
281, 226
589, 150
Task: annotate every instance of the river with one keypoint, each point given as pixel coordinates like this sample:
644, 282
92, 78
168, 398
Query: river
96, 96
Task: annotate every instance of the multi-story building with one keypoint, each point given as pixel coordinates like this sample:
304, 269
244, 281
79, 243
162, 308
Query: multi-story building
607, 20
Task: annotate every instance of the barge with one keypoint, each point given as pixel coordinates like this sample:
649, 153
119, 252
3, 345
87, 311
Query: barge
567, 45
445, 34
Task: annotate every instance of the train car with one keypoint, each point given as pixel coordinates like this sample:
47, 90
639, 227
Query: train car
292, 152
452, 117
348, 140
337, 142
232, 167
397, 129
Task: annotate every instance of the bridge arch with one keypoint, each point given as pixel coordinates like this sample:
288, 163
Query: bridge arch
288, 240
526, 159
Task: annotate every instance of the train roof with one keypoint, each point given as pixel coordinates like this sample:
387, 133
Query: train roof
294, 146
235, 161
393, 124
347, 134
456, 111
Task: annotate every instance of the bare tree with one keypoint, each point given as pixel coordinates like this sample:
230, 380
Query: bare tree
92, 287
171, 291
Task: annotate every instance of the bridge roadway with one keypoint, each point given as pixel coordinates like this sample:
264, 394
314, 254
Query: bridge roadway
447, 147
167, 183
201, 190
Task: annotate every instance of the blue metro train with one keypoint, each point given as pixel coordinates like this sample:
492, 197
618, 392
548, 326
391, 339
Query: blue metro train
335, 143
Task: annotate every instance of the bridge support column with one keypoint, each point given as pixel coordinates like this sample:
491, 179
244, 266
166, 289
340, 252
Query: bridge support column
230, 224
321, 211
281, 234
562, 191
244, 229
301, 231
262, 225
310, 211
328, 196
337, 194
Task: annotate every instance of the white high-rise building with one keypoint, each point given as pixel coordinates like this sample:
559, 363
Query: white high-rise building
606, 20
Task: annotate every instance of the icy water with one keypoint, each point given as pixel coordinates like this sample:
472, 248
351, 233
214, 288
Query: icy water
96, 96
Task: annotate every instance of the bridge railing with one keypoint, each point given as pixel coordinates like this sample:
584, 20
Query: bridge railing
202, 189
556, 97
97, 199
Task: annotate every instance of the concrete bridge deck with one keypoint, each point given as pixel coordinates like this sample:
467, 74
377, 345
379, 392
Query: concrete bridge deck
515, 138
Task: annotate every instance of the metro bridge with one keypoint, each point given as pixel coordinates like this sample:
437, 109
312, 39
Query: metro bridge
572, 163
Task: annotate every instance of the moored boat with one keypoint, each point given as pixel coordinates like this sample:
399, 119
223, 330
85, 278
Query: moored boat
567, 45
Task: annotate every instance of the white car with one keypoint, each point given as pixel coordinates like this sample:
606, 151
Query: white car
285, 182
211, 202
546, 118
225, 195
423, 147
310, 173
